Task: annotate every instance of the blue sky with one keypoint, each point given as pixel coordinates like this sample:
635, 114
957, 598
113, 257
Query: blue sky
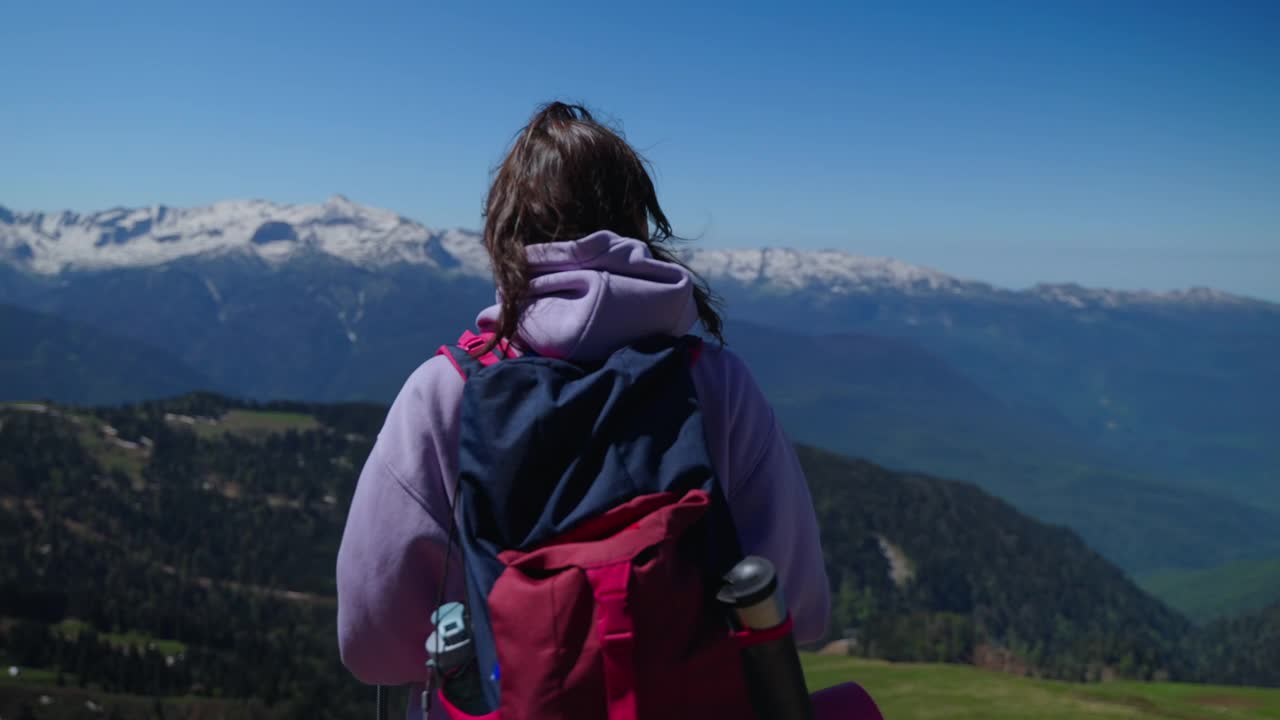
1126, 144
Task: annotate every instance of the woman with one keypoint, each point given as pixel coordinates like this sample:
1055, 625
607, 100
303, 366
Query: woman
578, 246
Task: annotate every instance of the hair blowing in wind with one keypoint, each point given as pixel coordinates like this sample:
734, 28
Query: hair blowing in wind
568, 175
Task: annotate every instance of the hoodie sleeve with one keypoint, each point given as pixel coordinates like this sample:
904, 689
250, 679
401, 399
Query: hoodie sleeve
390, 562
766, 488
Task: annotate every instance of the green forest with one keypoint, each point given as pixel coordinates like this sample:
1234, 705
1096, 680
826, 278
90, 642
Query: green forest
185, 549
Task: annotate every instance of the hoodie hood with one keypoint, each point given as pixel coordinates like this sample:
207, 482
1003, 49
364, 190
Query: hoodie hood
591, 296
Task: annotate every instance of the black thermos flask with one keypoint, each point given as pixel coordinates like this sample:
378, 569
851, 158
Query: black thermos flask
773, 673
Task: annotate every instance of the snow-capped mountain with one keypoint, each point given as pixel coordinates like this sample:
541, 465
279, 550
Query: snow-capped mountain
53, 243
49, 244
1076, 296
833, 271
835, 274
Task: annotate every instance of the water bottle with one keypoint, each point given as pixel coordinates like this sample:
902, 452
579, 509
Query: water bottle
774, 677
452, 658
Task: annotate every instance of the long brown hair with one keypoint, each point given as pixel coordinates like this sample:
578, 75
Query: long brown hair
568, 175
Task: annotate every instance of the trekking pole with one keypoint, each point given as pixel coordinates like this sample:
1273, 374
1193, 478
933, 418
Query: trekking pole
774, 677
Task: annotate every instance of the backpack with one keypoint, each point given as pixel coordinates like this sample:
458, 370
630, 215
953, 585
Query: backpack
594, 536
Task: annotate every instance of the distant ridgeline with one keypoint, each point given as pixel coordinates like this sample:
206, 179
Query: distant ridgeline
187, 546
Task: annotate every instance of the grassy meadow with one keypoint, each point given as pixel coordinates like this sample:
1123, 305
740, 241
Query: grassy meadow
904, 691
956, 692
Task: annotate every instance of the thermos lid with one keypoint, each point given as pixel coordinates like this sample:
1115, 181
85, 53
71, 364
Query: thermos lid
749, 582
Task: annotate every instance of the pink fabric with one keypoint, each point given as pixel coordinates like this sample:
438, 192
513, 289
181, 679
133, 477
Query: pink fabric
453, 713
842, 702
747, 638
845, 702
444, 350
616, 630
473, 344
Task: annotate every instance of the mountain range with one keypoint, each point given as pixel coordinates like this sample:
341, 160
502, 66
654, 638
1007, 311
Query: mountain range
1146, 421
59, 242
49, 358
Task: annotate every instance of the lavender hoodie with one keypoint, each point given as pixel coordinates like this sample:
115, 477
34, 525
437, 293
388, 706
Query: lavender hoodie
589, 297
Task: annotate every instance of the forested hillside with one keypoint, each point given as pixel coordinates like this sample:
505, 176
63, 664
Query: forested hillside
929, 569
1243, 649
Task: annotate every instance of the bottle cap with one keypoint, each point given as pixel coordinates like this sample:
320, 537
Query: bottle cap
749, 583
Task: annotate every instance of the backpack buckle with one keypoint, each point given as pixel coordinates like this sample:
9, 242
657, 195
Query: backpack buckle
472, 342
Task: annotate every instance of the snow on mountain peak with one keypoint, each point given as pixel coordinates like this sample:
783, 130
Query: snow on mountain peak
1077, 296
132, 237
341, 202
833, 271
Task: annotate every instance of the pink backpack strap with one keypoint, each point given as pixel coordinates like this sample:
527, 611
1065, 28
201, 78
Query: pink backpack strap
695, 351
615, 630
473, 353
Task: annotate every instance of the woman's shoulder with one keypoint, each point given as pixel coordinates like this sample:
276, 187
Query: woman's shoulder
436, 386
423, 417
718, 367
433, 380
728, 390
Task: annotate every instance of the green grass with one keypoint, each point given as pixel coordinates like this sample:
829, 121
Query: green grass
920, 692
1231, 589
248, 423
29, 676
70, 628
110, 455
903, 692
25, 405
255, 423
69, 704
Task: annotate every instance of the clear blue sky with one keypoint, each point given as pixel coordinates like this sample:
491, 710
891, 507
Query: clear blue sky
1130, 144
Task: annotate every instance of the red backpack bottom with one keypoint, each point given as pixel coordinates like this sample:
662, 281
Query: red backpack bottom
614, 620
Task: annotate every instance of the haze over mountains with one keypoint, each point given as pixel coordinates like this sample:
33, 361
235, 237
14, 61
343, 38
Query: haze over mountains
1146, 421
50, 357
